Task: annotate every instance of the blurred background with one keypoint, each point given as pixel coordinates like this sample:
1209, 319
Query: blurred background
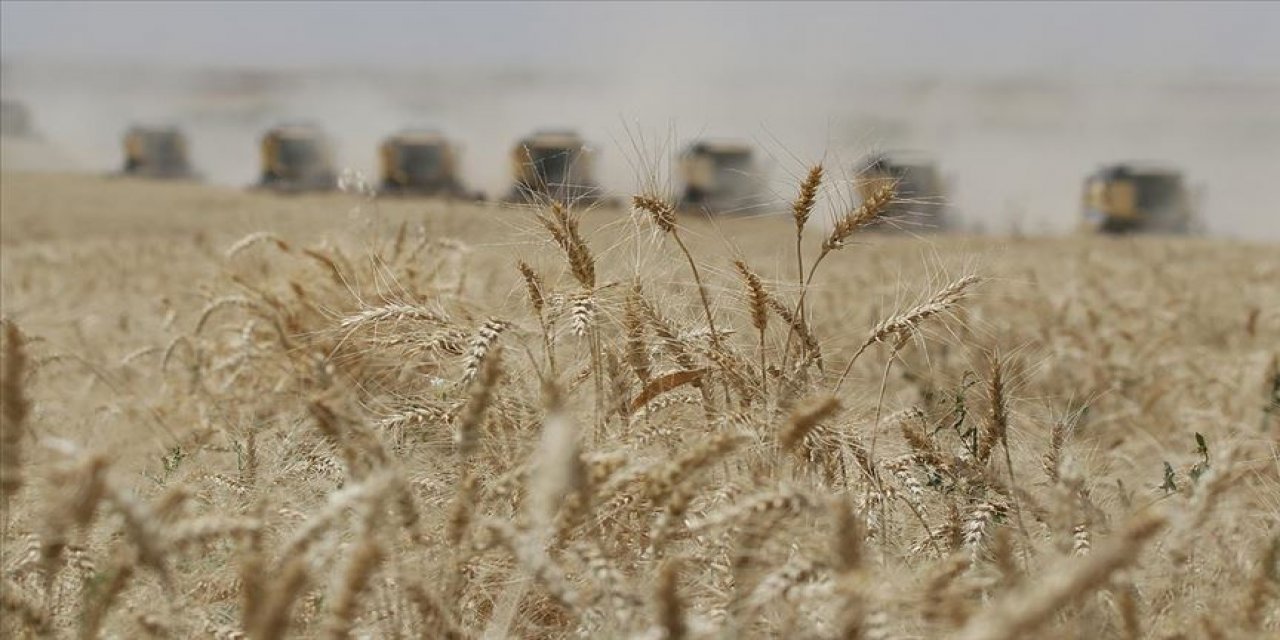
1015, 103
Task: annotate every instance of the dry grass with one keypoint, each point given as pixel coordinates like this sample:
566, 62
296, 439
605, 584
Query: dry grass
236, 415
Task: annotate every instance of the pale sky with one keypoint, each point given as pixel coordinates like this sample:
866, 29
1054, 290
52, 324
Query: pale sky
645, 37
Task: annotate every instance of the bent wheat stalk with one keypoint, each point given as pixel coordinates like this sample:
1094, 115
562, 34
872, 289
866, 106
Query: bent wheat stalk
899, 328
1021, 613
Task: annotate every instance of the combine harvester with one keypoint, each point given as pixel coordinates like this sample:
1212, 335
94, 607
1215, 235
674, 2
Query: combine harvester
297, 158
15, 121
422, 163
1131, 198
720, 177
554, 165
156, 152
921, 191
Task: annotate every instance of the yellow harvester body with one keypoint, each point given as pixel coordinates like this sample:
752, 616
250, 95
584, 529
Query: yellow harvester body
156, 152
297, 158
555, 165
1125, 198
420, 163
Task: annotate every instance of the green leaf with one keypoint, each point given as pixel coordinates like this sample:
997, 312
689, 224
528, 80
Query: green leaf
1169, 478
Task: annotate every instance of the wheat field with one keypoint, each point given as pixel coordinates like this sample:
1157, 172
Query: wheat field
237, 415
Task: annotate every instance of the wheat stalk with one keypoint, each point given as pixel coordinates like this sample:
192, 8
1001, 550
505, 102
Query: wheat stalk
258, 237
564, 230
14, 409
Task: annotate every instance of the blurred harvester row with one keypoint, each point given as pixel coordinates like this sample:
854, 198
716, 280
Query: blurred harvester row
718, 176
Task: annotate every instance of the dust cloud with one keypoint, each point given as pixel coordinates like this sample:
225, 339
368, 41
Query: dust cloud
1013, 147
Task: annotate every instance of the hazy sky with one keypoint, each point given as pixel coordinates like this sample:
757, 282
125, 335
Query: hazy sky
647, 37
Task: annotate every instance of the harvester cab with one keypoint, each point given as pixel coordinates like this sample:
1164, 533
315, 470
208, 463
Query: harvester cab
15, 120
719, 177
420, 163
920, 191
156, 152
1127, 198
297, 158
555, 165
